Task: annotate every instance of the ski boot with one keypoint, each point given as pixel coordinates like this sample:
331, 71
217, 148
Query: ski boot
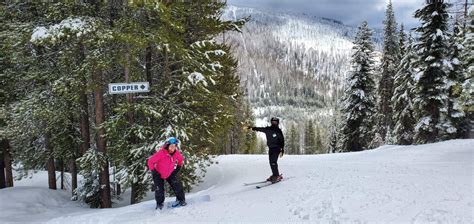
159, 206
179, 204
270, 178
276, 179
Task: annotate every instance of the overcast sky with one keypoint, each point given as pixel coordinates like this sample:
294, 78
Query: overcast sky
351, 12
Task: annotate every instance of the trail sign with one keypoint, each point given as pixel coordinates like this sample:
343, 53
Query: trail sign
133, 87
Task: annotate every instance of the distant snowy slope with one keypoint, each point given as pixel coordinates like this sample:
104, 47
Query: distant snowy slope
398, 184
292, 61
331, 39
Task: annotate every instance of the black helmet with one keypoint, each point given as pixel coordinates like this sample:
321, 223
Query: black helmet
275, 119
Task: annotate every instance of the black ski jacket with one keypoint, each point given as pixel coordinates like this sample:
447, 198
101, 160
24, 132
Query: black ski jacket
274, 135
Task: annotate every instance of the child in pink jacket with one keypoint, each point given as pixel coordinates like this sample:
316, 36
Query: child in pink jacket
165, 165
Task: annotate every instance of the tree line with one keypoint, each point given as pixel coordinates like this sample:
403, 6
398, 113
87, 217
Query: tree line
425, 90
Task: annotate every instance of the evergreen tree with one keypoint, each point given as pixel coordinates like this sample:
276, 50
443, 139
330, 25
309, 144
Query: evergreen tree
309, 138
402, 39
358, 102
318, 144
390, 61
455, 125
262, 147
334, 128
430, 80
198, 95
249, 138
333, 136
403, 97
467, 94
293, 141
10, 61
45, 85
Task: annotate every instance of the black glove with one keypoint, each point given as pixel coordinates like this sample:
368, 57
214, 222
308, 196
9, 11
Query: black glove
155, 173
282, 152
175, 171
178, 168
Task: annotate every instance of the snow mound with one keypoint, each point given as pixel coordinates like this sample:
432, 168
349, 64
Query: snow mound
34, 204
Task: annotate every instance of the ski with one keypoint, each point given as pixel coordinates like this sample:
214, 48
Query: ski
253, 183
265, 185
259, 182
189, 201
270, 183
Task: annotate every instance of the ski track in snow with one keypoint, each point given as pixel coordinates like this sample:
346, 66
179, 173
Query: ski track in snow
393, 184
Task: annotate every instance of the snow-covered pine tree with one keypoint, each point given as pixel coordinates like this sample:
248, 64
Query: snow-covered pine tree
46, 84
467, 94
262, 146
89, 189
318, 144
9, 74
309, 138
359, 101
246, 118
196, 96
390, 61
332, 146
293, 140
404, 94
402, 42
334, 128
432, 48
455, 125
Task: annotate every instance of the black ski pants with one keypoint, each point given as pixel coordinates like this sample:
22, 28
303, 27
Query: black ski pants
174, 182
273, 154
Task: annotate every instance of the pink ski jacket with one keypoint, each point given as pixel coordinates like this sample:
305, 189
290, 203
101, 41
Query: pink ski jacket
164, 163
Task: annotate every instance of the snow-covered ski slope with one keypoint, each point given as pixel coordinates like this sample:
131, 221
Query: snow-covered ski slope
430, 183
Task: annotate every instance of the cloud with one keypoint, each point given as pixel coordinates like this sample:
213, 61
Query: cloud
351, 12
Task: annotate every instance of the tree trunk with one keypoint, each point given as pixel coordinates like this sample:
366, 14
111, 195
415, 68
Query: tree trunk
132, 140
115, 8
117, 184
50, 164
2, 164
148, 56
85, 137
84, 117
101, 144
61, 164
73, 176
7, 159
83, 126
167, 67
85, 133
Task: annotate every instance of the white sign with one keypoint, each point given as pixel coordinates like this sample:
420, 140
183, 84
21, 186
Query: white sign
133, 87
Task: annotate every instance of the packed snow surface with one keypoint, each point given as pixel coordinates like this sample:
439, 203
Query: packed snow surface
430, 183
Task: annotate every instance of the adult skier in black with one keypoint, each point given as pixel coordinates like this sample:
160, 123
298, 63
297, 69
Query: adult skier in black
276, 144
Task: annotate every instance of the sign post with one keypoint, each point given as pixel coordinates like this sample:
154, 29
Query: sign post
133, 87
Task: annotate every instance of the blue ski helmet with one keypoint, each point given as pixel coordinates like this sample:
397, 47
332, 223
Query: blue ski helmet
172, 140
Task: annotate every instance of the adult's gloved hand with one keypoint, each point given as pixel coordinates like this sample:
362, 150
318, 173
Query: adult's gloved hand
248, 128
282, 152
